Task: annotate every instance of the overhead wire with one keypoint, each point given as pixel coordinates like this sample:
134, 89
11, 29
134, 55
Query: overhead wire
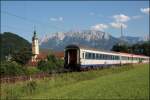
31, 20
8, 26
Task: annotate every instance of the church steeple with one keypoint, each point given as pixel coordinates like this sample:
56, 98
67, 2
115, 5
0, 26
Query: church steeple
35, 46
34, 35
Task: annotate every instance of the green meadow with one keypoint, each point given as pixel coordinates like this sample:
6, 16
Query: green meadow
126, 82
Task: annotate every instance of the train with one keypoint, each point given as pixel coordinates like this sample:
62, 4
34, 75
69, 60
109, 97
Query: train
79, 58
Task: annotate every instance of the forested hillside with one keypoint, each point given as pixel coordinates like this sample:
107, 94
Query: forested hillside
10, 43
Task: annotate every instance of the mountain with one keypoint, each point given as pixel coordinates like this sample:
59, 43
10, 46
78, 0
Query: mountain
90, 38
11, 43
133, 40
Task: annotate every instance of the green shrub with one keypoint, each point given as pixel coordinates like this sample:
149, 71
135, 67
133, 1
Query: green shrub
52, 64
32, 70
47, 66
11, 69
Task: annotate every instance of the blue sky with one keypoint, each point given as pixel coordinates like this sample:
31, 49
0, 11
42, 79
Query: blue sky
48, 17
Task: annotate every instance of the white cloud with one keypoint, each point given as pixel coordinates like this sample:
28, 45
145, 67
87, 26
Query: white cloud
145, 10
57, 19
99, 27
61, 19
121, 18
118, 25
92, 13
136, 17
53, 19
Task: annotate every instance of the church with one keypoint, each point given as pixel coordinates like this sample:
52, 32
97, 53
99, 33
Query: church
35, 47
38, 55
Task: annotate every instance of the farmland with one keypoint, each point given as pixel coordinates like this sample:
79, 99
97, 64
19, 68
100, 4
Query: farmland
126, 82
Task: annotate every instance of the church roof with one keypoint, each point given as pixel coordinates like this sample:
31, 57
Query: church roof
34, 35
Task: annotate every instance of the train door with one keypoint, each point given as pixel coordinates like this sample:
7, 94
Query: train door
72, 57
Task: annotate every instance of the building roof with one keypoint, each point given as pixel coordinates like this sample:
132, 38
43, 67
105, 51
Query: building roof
42, 55
59, 54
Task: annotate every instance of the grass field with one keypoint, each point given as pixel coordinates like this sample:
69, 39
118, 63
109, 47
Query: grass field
126, 82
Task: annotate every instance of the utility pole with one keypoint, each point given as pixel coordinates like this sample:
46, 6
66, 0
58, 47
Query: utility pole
121, 37
121, 31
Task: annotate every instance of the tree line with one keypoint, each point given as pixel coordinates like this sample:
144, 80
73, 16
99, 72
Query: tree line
142, 48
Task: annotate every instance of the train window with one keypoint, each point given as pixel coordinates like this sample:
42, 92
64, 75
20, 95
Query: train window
117, 58
109, 57
101, 56
121, 57
93, 55
125, 58
113, 57
90, 56
96, 56
83, 55
105, 56
86, 55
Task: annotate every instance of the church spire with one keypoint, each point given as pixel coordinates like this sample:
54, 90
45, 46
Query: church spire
35, 46
34, 31
34, 35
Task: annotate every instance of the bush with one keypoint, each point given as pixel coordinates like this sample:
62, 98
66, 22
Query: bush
22, 56
32, 70
52, 64
47, 66
11, 69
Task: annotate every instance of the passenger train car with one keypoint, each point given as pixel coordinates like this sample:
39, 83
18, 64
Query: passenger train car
79, 58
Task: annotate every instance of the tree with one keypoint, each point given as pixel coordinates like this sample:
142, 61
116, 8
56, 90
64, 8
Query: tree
23, 56
52, 64
10, 43
142, 48
11, 68
120, 48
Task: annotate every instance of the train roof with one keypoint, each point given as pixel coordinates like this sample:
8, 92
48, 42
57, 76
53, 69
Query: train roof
89, 48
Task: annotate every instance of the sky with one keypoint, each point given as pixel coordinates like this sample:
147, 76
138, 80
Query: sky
48, 17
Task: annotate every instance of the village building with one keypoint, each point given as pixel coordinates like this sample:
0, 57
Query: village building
38, 55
